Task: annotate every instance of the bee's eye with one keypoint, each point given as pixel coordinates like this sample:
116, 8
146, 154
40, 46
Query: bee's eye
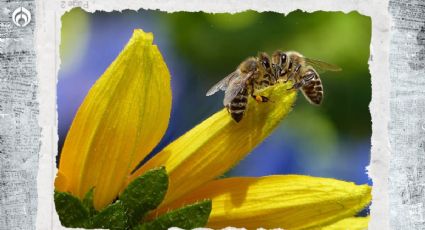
266, 64
283, 58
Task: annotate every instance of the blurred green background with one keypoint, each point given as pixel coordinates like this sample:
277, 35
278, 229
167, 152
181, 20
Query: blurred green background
332, 140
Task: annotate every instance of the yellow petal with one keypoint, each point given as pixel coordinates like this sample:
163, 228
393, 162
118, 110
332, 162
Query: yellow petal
218, 143
288, 202
61, 182
353, 223
123, 117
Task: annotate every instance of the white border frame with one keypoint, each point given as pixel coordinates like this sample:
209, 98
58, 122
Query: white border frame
47, 40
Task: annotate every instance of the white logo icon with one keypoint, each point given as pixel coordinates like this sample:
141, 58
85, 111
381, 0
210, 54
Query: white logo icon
21, 17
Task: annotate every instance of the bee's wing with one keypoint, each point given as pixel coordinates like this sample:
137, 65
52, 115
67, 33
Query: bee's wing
321, 66
223, 84
235, 86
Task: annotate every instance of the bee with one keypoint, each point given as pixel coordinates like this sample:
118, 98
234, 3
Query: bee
303, 72
252, 74
259, 72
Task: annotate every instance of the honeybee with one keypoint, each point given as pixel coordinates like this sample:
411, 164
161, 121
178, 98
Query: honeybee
252, 74
259, 72
303, 72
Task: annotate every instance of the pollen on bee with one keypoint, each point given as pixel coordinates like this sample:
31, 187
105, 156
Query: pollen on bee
258, 98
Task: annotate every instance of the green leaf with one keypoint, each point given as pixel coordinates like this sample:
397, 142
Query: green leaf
190, 216
88, 202
145, 193
71, 210
114, 216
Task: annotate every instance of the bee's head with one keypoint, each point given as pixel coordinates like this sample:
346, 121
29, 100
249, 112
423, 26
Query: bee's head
264, 60
279, 59
249, 65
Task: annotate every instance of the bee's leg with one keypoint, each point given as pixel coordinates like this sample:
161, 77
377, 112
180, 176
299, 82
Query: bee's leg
287, 78
304, 79
277, 72
275, 78
288, 71
297, 85
260, 98
294, 73
309, 76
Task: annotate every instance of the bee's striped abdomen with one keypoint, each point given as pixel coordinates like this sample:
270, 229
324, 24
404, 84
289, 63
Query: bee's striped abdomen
238, 105
313, 91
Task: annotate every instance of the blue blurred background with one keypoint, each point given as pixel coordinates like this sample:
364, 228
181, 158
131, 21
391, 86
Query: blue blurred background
332, 140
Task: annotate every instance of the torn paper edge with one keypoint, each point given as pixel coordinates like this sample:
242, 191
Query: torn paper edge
48, 29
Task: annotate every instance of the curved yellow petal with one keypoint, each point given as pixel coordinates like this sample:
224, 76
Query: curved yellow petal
218, 143
122, 118
61, 182
353, 223
287, 201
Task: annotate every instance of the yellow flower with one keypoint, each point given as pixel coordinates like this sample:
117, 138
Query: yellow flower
126, 113
353, 223
123, 117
